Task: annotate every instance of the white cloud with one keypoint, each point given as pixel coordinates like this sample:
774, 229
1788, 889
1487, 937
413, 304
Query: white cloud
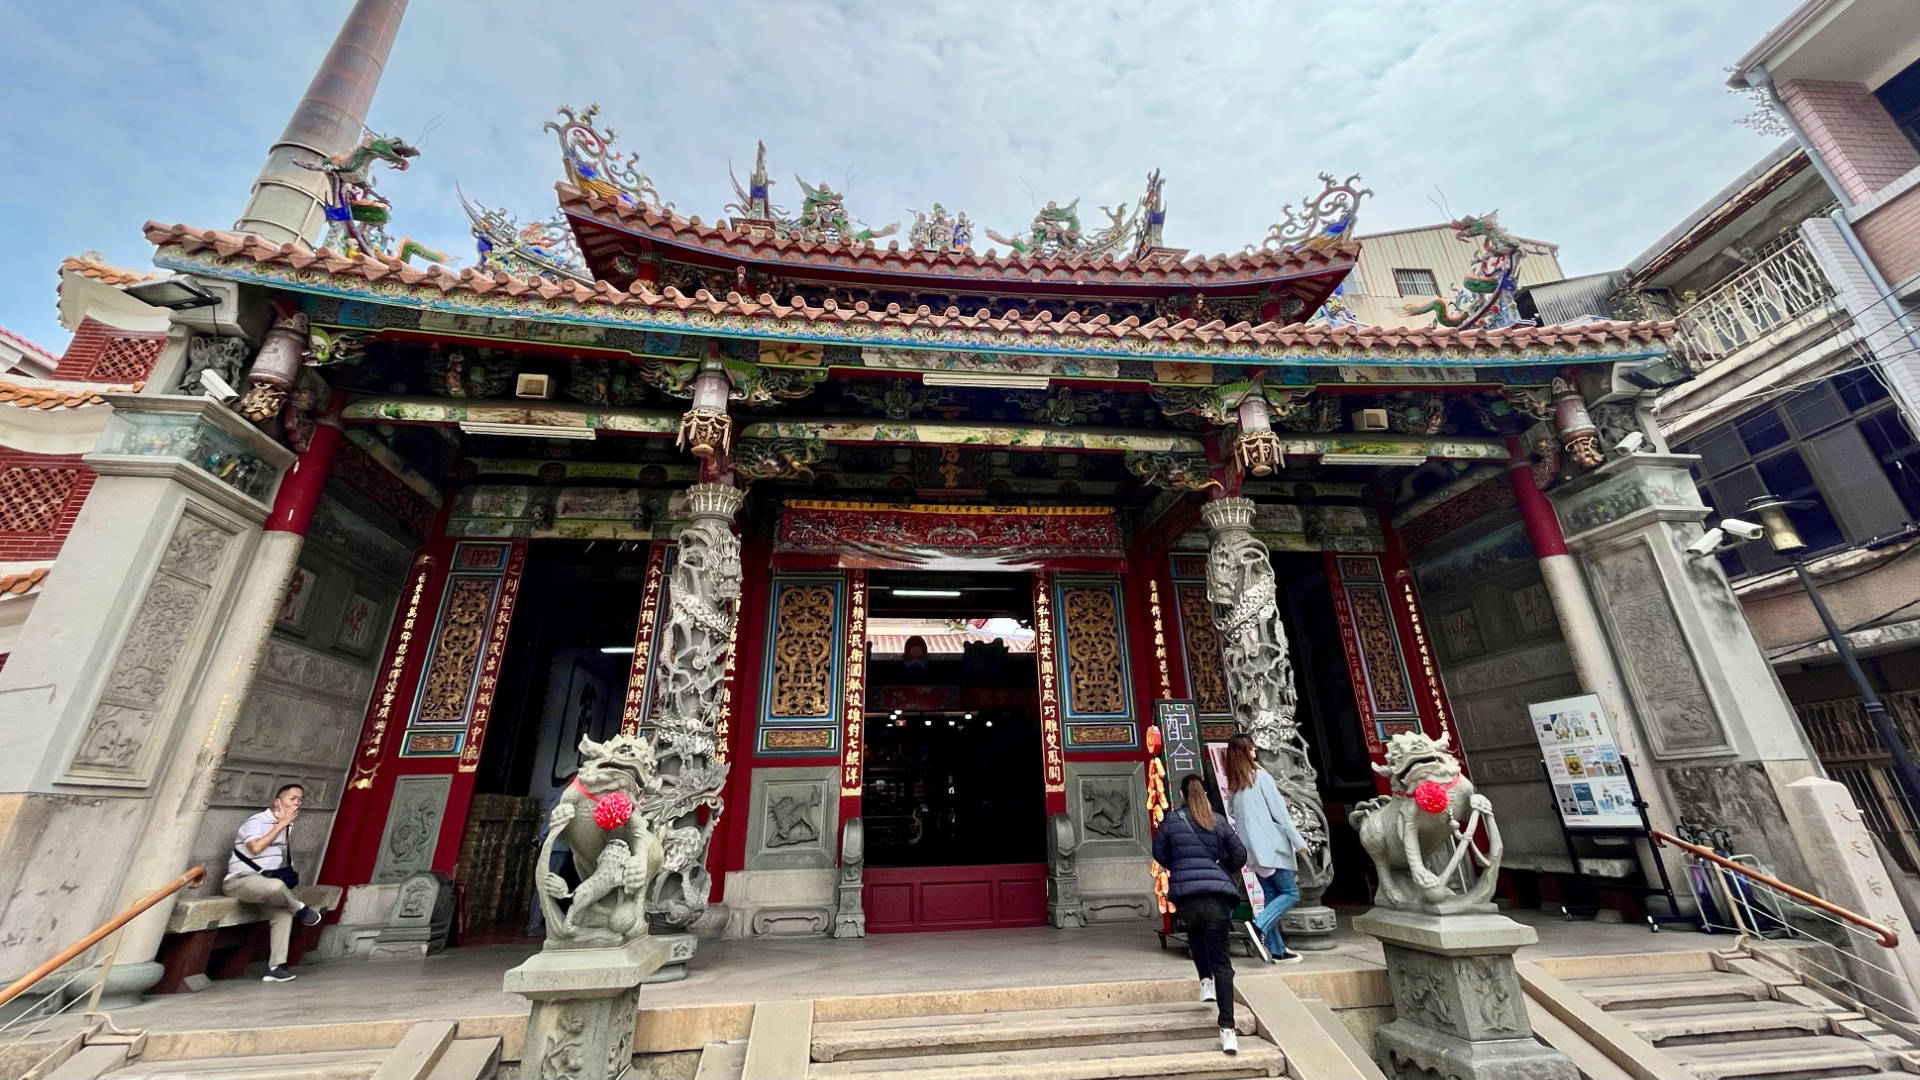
1597, 126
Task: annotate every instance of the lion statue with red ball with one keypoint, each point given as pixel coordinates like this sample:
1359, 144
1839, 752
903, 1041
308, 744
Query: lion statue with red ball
614, 851
1420, 832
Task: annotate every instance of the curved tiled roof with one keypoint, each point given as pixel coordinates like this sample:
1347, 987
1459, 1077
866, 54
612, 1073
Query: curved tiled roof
1319, 255
26, 346
56, 395
23, 582
539, 293
90, 265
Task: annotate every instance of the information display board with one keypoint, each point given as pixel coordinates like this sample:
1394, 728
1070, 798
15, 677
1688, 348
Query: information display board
1590, 782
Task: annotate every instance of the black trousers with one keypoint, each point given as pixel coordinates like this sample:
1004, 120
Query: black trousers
1209, 923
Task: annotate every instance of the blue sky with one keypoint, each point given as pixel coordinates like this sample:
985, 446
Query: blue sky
1594, 125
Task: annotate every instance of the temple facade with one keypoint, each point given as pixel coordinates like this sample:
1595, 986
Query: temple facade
903, 546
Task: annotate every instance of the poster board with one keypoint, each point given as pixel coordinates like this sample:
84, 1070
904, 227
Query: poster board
1591, 787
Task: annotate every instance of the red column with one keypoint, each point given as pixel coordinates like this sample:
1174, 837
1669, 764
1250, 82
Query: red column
1436, 713
1543, 525
300, 488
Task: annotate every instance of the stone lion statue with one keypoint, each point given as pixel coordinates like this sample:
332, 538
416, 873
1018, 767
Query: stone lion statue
1418, 834
614, 850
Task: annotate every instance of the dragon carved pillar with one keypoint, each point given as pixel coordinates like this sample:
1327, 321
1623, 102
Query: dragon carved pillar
703, 599
1253, 646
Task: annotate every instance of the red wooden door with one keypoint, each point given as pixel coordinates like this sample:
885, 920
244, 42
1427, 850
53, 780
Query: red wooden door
902, 898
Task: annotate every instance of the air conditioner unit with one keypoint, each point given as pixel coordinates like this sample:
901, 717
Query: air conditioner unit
538, 387
1370, 420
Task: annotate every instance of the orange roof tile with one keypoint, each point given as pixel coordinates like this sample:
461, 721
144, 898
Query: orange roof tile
93, 265
1195, 270
540, 293
37, 395
23, 582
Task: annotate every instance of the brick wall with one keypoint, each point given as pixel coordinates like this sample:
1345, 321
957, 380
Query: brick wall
102, 353
40, 495
1891, 235
1852, 133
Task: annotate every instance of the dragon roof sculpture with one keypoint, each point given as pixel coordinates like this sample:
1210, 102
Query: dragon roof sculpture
823, 216
1485, 299
542, 249
357, 215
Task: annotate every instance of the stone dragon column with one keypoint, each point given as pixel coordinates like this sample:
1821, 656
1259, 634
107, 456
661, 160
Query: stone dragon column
1253, 646
703, 601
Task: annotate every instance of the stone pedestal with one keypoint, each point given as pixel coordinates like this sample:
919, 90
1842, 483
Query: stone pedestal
1459, 1011
673, 966
1310, 925
584, 1005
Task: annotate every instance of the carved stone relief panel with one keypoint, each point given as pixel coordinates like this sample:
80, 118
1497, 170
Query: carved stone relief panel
805, 644
150, 675
1469, 997
1668, 690
1107, 802
1107, 808
793, 818
413, 827
1091, 645
1206, 681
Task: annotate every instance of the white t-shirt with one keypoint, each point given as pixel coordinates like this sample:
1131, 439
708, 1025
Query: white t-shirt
272, 857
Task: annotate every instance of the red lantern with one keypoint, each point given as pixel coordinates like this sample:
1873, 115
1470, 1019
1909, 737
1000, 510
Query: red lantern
1431, 797
613, 809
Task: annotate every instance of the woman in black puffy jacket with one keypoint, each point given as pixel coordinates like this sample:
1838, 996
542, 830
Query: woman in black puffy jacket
1201, 855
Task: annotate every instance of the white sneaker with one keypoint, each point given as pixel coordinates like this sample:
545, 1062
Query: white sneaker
1229, 1041
1206, 990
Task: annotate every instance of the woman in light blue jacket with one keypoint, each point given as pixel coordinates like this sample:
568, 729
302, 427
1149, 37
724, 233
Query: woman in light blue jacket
1266, 827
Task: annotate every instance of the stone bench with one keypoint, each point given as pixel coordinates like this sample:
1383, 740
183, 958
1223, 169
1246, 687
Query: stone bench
199, 926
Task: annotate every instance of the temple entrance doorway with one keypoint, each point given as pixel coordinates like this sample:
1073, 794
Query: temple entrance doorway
953, 799
563, 677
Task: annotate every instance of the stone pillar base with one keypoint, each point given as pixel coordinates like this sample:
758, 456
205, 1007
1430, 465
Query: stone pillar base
585, 1002
127, 984
679, 950
1459, 1010
1309, 929
1411, 1052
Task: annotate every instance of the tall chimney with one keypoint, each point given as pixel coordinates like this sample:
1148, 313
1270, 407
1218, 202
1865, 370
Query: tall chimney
288, 198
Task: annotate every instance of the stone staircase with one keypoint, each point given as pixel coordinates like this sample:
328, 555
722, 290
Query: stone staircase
431, 1050
1131, 1031
1735, 1017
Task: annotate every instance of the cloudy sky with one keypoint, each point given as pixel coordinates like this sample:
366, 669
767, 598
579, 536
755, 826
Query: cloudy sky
1594, 125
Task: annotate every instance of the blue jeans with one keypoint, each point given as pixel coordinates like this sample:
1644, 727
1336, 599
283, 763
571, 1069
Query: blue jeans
1281, 891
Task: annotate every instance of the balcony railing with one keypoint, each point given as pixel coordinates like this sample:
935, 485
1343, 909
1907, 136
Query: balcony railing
1745, 307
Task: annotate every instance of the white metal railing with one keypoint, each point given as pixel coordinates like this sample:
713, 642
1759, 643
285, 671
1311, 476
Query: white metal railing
1743, 308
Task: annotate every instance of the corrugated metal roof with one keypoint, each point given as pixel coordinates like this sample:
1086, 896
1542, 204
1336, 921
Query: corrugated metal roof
1574, 299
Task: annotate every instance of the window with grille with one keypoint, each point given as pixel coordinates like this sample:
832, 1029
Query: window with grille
1416, 283
31, 498
1840, 444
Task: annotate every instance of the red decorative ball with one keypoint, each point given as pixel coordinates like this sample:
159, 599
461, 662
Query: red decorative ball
1430, 797
613, 810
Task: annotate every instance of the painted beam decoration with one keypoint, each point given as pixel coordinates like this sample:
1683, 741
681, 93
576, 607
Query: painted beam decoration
366, 760
900, 533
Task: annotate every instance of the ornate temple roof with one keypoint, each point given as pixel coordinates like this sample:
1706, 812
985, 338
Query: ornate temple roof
1169, 269
243, 256
92, 264
48, 394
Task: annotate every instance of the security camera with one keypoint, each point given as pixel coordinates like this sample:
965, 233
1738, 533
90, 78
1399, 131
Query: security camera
216, 387
1634, 441
1742, 530
1708, 543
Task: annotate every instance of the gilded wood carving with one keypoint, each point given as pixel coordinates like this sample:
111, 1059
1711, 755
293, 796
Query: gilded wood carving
1096, 672
1207, 682
801, 683
463, 634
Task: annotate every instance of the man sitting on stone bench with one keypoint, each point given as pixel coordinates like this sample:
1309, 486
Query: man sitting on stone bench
261, 872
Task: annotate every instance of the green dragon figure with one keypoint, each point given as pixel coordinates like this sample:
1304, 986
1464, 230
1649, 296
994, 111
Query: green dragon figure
357, 214
1492, 279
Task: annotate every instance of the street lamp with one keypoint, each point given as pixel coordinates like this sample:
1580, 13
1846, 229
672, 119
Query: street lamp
1784, 537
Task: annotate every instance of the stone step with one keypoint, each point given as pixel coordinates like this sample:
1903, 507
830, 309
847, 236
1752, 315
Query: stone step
1674, 1025
1188, 1059
1801, 1058
323, 1065
1022, 1030
468, 1059
1653, 991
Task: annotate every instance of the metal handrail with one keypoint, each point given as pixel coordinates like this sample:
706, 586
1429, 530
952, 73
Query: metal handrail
26, 982
1886, 937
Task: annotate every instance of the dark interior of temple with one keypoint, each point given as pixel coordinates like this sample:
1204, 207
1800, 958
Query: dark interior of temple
953, 764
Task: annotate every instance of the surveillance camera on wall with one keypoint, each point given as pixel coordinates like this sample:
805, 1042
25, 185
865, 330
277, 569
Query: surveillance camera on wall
1708, 543
1634, 441
1742, 530
216, 387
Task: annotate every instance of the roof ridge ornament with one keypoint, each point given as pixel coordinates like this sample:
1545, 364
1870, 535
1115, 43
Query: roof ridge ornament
1485, 298
593, 165
543, 248
1325, 217
934, 231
